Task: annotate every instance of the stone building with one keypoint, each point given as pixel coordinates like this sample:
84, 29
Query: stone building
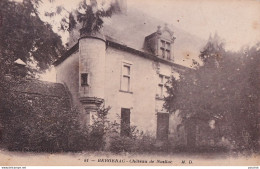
126, 66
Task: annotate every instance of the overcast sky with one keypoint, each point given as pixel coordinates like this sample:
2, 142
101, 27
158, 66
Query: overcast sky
235, 21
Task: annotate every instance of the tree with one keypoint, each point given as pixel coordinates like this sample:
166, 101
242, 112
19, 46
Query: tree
89, 15
224, 90
213, 51
40, 123
23, 35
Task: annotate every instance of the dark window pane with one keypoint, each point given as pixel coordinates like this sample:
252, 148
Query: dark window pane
84, 79
163, 43
168, 54
161, 78
125, 122
168, 46
163, 53
160, 91
162, 126
167, 79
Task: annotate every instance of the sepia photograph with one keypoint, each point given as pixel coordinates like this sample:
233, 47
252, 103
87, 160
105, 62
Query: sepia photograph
130, 83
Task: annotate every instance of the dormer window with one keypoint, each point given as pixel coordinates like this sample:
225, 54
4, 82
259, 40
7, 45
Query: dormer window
160, 43
166, 49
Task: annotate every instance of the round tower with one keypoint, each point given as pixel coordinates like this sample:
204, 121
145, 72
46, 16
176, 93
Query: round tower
92, 48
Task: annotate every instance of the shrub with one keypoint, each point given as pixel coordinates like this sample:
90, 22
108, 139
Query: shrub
40, 126
122, 144
46, 128
146, 143
59, 134
136, 142
99, 129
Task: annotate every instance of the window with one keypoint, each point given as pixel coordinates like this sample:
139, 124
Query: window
165, 49
168, 55
126, 77
125, 122
160, 86
84, 79
167, 79
162, 126
161, 90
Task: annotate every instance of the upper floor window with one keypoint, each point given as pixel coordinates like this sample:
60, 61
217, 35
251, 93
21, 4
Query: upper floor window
161, 89
165, 49
160, 86
160, 43
126, 77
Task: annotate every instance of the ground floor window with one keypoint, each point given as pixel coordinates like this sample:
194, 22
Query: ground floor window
162, 126
125, 122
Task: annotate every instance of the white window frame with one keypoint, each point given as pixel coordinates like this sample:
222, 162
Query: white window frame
130, 76
165, 49
163, 85
160, 86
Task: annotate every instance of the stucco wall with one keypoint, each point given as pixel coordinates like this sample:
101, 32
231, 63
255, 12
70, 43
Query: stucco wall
144, 82
92, 61
68, 74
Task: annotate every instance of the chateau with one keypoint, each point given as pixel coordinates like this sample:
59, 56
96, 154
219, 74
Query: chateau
125, 66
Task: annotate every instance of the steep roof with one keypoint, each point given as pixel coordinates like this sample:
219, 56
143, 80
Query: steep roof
130, 30
33, 86
38, 95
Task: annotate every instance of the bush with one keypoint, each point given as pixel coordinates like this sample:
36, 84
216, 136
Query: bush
105, 135
46, 128
136, 142
40, 125
146, 143
122, 144
61, 134
98, 132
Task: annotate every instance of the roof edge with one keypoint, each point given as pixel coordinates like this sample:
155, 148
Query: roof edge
144, 54
69, 52
124, 48
45, 83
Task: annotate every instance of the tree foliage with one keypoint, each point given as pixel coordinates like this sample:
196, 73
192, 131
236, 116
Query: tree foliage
224, 89
39, 123
89, 15
24, 35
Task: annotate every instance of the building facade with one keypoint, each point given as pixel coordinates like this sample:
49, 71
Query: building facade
98, 70
102, 68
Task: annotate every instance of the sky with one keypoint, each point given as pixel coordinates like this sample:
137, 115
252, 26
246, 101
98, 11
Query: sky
237, 22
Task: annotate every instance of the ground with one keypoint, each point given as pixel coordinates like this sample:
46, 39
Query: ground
106, 158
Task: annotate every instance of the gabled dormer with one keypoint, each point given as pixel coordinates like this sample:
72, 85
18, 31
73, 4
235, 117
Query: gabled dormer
160, 43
